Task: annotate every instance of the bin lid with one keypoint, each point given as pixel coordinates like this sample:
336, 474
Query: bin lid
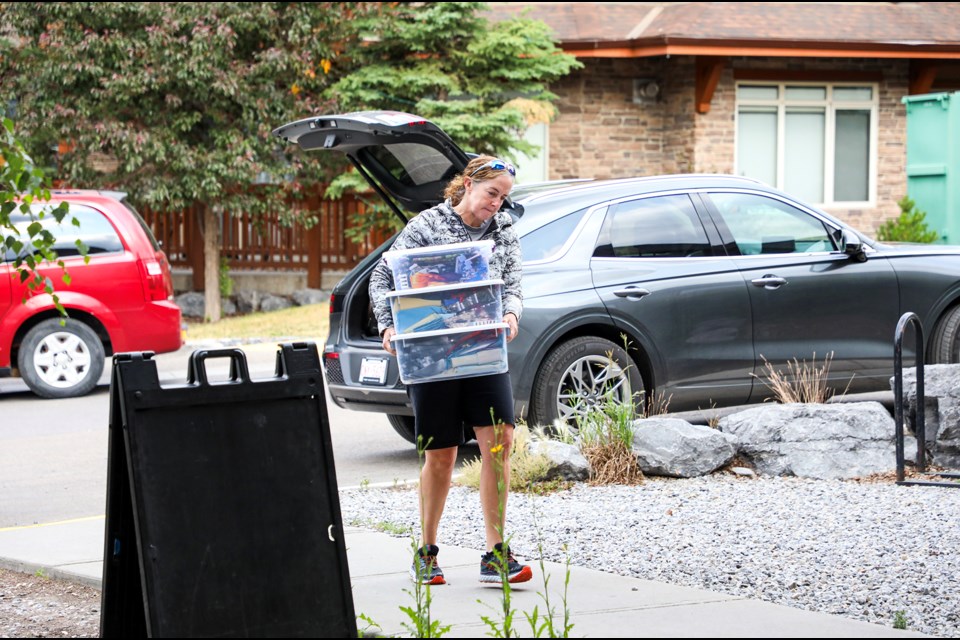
445, 332
425, 291
942, 98
442, 248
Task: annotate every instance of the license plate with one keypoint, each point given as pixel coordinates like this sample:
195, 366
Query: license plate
373, 371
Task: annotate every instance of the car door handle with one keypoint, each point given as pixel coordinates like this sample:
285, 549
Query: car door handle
769, 282
632, 293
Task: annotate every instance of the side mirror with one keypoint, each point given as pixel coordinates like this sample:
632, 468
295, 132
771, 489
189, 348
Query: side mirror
853, 246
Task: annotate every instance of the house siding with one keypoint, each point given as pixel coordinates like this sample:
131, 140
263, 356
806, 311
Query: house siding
600, 132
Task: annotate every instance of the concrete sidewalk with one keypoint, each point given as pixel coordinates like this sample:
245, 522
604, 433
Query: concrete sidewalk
601, 604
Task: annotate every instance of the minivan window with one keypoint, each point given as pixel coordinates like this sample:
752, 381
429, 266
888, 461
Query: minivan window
143, 225
95, 231
656, 227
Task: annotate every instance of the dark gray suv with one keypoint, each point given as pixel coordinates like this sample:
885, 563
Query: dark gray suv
678, 286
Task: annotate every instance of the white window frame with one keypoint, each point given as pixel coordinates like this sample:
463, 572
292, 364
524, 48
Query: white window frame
830, 109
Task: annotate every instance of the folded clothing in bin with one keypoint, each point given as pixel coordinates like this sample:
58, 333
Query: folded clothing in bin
440, 264
451, 353
447, 307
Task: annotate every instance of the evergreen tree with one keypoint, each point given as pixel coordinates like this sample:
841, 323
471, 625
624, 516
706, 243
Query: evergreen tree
910, 226
484, 83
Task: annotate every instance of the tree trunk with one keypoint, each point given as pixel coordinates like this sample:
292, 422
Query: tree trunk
211, 262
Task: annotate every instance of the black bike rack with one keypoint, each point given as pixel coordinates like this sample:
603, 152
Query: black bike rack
920, 420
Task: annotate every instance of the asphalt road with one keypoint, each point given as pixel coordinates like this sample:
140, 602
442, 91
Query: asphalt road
53, 453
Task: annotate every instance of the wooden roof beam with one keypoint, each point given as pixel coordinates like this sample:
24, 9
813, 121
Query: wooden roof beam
708, 70
922, 75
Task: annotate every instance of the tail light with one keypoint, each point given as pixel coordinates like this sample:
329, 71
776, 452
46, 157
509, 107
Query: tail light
336, 303
158, 285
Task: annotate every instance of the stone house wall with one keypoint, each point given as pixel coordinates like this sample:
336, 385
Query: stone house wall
600, 132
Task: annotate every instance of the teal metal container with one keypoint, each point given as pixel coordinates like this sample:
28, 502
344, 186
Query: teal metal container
933, 160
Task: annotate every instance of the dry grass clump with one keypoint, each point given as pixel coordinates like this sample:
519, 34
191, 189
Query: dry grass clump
612, 464
800, 382
606, 439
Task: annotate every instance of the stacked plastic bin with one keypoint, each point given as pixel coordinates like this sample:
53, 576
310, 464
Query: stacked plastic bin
447, 312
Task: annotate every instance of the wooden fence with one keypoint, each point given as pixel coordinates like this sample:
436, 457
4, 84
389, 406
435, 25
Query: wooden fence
248, 244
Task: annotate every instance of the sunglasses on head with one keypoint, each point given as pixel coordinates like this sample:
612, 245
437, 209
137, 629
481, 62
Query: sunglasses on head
496, 165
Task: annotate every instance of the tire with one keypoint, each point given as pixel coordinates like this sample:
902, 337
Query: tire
61, 361
945, 341
404, 426
577, 376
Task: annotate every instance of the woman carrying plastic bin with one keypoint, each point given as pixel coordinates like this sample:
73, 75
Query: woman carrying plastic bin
442, 408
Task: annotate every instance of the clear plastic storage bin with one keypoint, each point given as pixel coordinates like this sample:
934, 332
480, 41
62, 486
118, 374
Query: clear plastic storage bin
451, 353
447, 307
440, 264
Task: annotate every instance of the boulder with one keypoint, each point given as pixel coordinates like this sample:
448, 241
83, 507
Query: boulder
676, 448
248, 301
567, 463
303, 297
829, 441
941, 390
191, 304
271, 302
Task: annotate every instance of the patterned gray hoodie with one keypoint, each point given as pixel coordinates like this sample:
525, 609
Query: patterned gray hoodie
442, 225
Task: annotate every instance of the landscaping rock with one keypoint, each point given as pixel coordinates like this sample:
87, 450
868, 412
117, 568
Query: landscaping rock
674, 447
816, 440
270, 302
566, 460
191, 304
941, 390
303, 297
248, 301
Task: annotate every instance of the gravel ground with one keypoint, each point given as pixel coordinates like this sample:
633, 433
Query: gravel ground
865, 550
33, 606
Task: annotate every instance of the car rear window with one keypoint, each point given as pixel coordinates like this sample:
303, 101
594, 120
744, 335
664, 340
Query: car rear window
94, 230
413, 165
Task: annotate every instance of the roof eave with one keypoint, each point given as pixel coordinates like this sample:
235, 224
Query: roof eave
666, 46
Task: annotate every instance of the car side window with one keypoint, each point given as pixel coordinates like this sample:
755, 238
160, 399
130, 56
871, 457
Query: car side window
762, 225
95, 231
545, 242
656, 227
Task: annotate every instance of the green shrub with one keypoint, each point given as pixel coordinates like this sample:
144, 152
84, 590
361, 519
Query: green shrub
911, 226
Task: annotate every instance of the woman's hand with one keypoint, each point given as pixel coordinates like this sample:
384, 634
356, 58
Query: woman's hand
514, 328
387, 345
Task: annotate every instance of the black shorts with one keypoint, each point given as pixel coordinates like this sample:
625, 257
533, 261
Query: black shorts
445, 410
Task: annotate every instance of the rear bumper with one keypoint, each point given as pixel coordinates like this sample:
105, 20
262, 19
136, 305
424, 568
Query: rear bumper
375, 399
157, 329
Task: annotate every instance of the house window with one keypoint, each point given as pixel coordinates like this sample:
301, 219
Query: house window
814, 141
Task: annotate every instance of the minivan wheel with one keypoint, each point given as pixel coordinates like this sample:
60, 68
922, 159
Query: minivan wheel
945, 341
61, 361
404, 426
578, 376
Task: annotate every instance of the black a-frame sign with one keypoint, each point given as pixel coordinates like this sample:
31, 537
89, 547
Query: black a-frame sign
223, 517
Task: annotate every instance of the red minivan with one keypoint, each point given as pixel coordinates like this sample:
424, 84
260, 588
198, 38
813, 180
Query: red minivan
120, 300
